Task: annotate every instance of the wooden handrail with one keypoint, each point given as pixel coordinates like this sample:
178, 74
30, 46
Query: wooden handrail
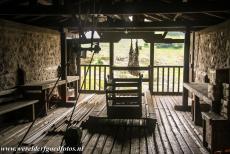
164, 78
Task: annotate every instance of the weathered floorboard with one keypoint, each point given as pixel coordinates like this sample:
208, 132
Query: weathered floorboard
174, 131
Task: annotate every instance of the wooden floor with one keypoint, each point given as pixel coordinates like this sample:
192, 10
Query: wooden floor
174, 131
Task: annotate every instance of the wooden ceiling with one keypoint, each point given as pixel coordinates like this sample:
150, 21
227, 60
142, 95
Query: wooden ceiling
117, 15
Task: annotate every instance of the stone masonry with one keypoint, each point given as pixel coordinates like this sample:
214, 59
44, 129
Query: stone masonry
35, 50
212, 49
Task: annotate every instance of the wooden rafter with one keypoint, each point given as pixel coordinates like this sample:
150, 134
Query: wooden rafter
214, 15
152, 18
177, 16
164, 34
121, 7
164, 16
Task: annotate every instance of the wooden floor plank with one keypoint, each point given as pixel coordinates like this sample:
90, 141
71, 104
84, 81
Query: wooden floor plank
150, 142
166, 144
190, 130
126, 144
143, 142
135, 143
173, 126
117, 147
190, 142
89, 148
174, 131
170, 135
109, 141
159, 142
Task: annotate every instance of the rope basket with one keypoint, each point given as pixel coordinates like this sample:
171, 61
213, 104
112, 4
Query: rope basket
134, 59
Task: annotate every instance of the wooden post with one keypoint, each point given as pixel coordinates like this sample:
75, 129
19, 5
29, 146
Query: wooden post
151, 67
197, 112
111, 58
63, 64
186, 66
191, 58
78, 63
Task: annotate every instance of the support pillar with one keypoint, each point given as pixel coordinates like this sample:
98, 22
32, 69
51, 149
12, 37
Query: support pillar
78, 65
111, 58
63, 64
184, 106
151, 67
186, 67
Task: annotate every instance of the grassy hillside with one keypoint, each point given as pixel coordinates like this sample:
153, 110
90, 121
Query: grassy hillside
165, 54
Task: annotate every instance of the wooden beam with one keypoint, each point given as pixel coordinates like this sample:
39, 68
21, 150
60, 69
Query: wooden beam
165, 33
164, 16
214, 15
151, 67
152, 18
121, 7
146, 36
63, 63
111, 57
177, 16
118, 24
186, 66
191, 58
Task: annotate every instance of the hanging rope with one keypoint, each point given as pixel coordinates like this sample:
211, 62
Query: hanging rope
94, 24
131, 54
134, 58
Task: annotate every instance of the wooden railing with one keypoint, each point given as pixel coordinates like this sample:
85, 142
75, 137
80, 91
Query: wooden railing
167, 79
162, 79
94, 81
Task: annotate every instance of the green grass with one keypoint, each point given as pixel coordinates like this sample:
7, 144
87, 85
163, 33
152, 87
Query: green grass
163, 56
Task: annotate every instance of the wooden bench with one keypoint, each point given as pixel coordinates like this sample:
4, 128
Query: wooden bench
40, 90
124, 97
201, 102
13, 99
216, 134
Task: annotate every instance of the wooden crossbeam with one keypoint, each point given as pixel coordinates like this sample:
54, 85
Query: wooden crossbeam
121, 7
132, 25
214, 15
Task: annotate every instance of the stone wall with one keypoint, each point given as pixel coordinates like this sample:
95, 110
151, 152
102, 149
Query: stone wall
211, 49
35, 50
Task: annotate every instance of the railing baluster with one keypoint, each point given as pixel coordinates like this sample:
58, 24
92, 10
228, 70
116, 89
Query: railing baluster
99, 78
153, 77
157, 79
104, 78
173, 79
85, 78
94, 78
168, 80
89, 77
178, 79
163, 75
170, 83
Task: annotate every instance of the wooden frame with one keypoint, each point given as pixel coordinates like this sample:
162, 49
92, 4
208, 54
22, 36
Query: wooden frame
124, 97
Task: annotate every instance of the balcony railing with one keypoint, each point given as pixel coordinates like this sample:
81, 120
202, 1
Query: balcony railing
162, 79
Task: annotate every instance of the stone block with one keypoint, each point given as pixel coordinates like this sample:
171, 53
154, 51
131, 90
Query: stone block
218, 76
215, 91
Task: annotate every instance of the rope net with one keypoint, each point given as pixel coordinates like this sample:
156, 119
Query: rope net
134, 58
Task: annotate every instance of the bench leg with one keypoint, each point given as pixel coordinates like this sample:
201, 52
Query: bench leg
197, 112
33, 112
192, 110
44, 103
205, 144
29, 112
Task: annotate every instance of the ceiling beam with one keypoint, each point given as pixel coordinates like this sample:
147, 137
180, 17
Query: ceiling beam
164, 34
133, 25
147, 36
214, 15
121, 7
152, 18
